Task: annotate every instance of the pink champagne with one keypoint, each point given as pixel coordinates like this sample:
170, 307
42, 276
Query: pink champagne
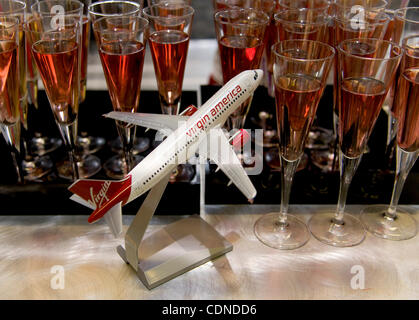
408, 110
84, 56
360, 103
122, 63
297, 97
169, 49
239, 54
9, 86
57, 64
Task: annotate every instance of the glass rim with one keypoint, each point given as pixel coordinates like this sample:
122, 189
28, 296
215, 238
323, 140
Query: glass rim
404, 40
147, 10
327, 2
15, 22
383, 5
406, 47
96, 13
94, 24
326, 17
395, 45
259, 11
31, 19
385, 19
319, 43
71, 11
398, 11
16, 10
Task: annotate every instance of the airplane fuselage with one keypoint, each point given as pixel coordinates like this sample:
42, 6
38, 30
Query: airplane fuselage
182, 144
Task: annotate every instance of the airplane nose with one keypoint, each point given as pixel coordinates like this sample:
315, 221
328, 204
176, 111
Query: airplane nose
257, 75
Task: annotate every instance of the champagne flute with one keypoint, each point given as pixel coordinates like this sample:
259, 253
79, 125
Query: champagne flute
300, 72
39, 145
241, 36
391, 222
9, 88
33, 167
267, 6
122, 49
405, 22
170, 30
346, 26
17, 9
116, 166
55, 40
87, 164
366, 70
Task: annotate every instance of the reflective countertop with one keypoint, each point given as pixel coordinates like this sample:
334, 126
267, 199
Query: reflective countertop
63, 257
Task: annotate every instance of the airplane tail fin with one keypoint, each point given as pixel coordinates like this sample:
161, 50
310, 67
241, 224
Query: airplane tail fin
103, 196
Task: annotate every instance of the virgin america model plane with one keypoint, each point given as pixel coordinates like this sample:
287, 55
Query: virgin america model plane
185, 134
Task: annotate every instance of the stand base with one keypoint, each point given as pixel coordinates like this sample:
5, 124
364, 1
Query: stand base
176, 249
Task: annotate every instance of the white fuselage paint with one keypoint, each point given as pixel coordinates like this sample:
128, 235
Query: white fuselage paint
184, 141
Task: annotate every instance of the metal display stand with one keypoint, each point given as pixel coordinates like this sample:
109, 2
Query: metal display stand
173, 250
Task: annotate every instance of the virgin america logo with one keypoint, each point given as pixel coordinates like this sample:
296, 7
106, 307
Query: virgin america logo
98, 199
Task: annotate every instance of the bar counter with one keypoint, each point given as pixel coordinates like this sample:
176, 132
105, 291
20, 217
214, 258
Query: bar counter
35, 250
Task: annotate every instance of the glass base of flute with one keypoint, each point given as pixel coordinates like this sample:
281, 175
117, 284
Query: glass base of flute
42, 145
280, 230
391, 222
36, 168
276, 233
87, 167
325, 228
118, 166
400, 226
89, 144
339, 228
140, 145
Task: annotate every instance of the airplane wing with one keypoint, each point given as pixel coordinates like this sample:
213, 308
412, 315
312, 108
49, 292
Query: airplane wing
221, 152
159, 122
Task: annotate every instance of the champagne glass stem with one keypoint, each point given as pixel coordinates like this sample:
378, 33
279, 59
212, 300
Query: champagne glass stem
348, 168
12, 136
127, 135
391, 129
238, 118
18, 165
405, 162
170, 109
288, 169
68, 133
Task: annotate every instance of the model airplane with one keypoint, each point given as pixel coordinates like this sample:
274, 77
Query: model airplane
184, 136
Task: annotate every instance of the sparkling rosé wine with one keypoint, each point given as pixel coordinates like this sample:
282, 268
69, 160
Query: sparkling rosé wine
408, 110
360, 104
57, 64
297, 97
9, 87
122, 63
169, 49
238, 54
84, 56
